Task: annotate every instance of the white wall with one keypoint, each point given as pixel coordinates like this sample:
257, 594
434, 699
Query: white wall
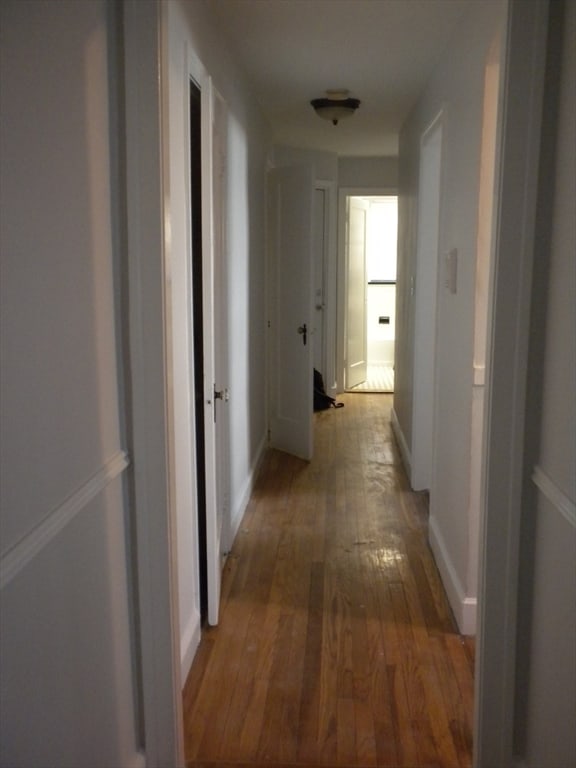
546, 666
192, 32
67, 689
325, 163
458, 90
368, 172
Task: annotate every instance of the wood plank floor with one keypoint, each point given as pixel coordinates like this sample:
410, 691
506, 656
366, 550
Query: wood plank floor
336, 645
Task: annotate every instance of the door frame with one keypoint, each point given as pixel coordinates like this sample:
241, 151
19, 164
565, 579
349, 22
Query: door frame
342, 280
157, 632
522, 78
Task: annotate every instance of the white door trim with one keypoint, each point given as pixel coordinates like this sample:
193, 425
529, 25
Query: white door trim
519, 154
157, 630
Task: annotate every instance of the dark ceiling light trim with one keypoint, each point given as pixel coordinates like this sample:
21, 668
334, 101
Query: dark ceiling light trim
335, 106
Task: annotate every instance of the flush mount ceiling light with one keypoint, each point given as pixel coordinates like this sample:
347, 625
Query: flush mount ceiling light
335, 106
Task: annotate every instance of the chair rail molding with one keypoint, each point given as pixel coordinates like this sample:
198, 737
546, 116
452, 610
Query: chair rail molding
13, 561
555, 495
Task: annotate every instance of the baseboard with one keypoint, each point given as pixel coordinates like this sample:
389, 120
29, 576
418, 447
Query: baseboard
240, 507
402, 444
463, 607
189, 642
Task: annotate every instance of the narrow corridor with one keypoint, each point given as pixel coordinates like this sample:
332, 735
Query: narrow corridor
336, 645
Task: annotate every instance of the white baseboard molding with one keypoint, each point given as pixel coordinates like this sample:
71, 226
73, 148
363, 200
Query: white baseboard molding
402, 444
240, 506
463, 606
189, 642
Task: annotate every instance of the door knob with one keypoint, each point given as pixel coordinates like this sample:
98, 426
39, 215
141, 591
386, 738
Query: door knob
303, 331
223, 394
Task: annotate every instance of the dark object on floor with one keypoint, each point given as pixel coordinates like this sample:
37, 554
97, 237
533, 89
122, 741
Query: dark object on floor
322, 401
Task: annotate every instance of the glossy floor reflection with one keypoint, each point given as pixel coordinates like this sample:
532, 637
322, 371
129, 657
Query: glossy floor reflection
336, 645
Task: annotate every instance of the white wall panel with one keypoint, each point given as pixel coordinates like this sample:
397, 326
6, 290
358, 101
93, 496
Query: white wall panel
63, 668
67, 678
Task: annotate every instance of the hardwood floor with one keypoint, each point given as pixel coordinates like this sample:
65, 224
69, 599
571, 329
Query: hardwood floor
336, 645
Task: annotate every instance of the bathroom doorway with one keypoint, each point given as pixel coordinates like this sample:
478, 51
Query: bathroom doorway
370, 255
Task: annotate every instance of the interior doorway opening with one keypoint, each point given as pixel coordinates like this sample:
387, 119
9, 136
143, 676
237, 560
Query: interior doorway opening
370, 252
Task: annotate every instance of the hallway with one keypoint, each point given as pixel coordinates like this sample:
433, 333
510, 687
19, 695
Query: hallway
336, 644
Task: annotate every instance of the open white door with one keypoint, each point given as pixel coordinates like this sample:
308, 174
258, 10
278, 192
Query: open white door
356, 336
291, 205
215, 357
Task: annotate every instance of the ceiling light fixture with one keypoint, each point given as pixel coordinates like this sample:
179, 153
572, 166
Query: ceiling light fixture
335, 106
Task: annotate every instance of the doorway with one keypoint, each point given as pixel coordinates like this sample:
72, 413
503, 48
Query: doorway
370, 257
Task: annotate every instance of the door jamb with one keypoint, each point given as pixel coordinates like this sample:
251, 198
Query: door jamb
507, 356
155, 546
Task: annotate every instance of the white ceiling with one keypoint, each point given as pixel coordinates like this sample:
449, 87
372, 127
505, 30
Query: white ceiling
382, 51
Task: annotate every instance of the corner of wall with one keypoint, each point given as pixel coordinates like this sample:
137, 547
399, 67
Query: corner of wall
402, 444
463, 606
